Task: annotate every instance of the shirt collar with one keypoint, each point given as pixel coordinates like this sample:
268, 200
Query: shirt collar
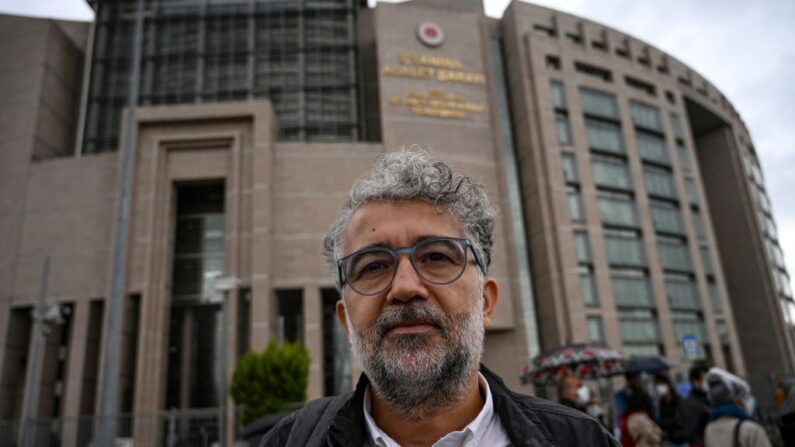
471, 434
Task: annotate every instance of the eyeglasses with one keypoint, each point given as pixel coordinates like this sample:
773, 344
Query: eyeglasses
437, 261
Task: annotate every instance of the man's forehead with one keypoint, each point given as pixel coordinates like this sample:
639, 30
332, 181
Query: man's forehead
384, 223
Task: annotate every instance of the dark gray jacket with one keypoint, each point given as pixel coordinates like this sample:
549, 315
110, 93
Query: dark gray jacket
528, 420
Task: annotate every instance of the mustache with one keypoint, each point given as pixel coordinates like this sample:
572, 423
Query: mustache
396, 316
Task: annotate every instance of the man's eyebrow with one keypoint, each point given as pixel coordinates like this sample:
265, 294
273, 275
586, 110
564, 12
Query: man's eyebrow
419, 239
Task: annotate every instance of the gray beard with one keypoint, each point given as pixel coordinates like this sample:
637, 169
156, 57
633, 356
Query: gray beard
419, 374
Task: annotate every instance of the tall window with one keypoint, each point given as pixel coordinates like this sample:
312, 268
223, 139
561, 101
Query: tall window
652, 148
588, 284
645, 116
682, 292
569, 168
611, 172
604, 136
674, 253
599, 104
659, 182
639, 332
631, 288
624, 248
595, 330
195, 310
584, 261
617, 209
667, 217
575, 204
561, 112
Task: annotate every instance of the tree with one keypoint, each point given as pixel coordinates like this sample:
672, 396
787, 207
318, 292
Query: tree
265, 382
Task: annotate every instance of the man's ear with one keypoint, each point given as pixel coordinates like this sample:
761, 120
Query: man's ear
343, 317
491, 294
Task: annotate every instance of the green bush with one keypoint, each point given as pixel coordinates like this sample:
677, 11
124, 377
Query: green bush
264, 382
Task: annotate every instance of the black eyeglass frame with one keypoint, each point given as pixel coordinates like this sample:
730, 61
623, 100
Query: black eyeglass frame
410, 250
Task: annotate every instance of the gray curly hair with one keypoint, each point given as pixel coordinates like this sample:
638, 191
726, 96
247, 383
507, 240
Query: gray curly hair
409, 175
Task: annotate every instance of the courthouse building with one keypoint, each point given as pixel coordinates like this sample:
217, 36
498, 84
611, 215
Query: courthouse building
633, 206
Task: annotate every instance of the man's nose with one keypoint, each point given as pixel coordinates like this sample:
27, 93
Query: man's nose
407, 284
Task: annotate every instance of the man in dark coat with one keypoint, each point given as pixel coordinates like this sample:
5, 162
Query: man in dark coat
410, 252
696, 406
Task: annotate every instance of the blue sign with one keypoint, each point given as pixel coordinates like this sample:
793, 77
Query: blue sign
691, 347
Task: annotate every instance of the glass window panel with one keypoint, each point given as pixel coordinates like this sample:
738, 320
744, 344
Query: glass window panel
676, 126
674, 254
784, 283
715, 298
698, 222
682, 292
617, 209
570, 168
558, 95
706, 259
588, 285
645, 116
611, 172
684, 157
631, 288
582, 246
595, 331
638, 326
575, 204
692, 191
604, 136
599, 103
653, 148
563, 128
667, 217
641, 349
624, 248
659, 182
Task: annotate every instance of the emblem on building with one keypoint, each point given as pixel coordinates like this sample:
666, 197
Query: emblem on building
430, 34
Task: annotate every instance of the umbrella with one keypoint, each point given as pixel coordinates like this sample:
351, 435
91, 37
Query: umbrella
586, 361
647, 364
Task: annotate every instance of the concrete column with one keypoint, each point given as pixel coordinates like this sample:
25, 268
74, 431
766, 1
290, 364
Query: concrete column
73, 386
313, 340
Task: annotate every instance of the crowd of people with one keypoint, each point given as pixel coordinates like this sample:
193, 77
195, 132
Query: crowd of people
713, 408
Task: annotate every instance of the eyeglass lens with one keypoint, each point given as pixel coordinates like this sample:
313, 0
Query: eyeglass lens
436, 261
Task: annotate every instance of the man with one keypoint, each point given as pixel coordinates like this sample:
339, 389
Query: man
696, 407
572, 393
410, 252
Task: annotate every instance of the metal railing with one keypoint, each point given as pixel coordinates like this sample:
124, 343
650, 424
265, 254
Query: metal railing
169, 428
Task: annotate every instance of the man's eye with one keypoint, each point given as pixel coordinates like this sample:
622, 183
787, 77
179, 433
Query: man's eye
373, 267
436, 257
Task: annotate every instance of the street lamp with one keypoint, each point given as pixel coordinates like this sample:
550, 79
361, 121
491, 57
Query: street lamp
222, 285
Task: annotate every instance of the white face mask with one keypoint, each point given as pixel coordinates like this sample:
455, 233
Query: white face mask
583, 395
662, 389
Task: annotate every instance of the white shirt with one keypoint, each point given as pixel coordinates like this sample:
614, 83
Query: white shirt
486, 429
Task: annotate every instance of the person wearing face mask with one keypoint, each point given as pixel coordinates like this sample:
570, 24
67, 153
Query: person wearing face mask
573, 393
670, 412
730, 422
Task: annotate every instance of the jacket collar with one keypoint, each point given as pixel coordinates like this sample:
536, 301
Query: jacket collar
519, 421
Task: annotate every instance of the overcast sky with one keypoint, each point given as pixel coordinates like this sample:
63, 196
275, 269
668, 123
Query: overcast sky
746, 48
